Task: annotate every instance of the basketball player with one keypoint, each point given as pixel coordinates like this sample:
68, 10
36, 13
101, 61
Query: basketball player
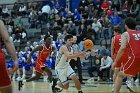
115, 45
129, 40
62, 66
5, 83
44, 52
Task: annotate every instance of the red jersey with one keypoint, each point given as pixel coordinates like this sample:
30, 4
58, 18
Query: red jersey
134, 43
117, 43
41, 58
132, 65
44, 53
4, 77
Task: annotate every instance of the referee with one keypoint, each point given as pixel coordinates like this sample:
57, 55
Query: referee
76, 62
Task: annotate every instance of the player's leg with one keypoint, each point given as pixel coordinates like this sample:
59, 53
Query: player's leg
64, 85
71, 74
36, 77
116, 71
24, 73
62, 78
49, 73
7, 89
76, 82
52, 80
118, 82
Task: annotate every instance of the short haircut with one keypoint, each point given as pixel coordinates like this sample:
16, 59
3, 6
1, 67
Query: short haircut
105, 54
131, 23
68, 37
46, 36
117, 29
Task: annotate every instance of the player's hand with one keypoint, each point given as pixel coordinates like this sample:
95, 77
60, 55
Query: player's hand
82, 55
93, 50
87, 54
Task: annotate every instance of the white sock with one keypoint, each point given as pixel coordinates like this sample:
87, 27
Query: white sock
24, 81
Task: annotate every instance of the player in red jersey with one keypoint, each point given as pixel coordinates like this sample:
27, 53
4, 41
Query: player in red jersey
44, 52
5, 83
129, 40
115, 45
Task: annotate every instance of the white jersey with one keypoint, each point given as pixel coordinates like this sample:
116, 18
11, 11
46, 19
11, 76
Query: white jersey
61, 60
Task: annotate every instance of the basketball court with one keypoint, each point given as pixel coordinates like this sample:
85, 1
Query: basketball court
89, 87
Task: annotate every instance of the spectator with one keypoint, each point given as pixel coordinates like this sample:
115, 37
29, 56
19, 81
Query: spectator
76, 20
105, 5
71, 28
90, 33
115, 19
23, 9
96, 26
82, 31
57, 5
95, 65
106, 62
135, 7
106, 31
125, 8
10, 21
109, 11
5, 11
45, 11
104, 50
115, 5
82, 5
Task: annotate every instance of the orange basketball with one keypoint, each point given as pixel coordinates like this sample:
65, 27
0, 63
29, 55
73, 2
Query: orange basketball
88, 44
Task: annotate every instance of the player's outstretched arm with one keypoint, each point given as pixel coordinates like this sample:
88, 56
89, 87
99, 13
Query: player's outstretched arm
38, 48
9, 45
70, 56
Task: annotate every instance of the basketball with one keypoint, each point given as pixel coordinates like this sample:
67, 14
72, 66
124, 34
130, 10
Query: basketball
88, 44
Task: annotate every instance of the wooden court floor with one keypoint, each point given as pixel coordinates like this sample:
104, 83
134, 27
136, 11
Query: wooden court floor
89, 87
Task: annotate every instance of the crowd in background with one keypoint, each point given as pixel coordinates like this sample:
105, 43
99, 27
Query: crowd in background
93, 19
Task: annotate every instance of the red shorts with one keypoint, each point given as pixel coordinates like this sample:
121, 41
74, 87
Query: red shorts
121, 60
38, 66
4, 78
119, 63
131, 66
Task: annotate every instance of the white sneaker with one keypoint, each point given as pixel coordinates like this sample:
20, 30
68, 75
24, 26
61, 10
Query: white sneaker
18, 78
112, 88
91, 79
23, 77
33, 75
129, 86
137, 81
45, 78
13, 78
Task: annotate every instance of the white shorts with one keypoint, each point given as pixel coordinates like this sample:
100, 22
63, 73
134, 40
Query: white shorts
64, 73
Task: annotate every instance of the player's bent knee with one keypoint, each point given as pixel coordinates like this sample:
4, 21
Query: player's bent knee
121, 74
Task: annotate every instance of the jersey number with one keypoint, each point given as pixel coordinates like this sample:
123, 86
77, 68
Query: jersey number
136, 36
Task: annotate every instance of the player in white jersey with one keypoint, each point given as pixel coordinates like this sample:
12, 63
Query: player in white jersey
62, 67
